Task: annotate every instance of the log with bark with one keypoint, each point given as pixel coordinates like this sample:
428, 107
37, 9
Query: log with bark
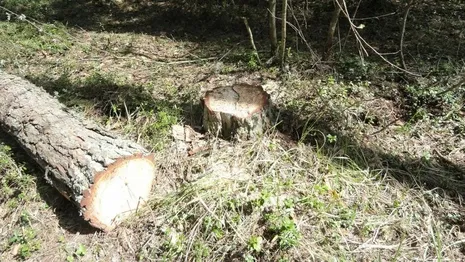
243, 111
107, 177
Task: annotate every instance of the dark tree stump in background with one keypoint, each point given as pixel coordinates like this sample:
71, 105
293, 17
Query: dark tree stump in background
107, 177
243, 110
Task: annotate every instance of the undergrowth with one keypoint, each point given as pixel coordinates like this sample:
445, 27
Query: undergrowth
15, 192
273, 203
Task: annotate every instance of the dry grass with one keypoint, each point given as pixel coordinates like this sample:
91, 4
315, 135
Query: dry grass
328, 210
300, 204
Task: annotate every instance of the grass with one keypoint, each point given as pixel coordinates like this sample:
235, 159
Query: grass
365, 164
289, 204
15, 193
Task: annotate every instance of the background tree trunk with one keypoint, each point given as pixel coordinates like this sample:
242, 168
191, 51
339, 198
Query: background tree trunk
404, 24
332, 30
283, 33
108, 178
272, 27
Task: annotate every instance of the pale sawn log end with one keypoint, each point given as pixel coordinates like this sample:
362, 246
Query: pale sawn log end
118, 191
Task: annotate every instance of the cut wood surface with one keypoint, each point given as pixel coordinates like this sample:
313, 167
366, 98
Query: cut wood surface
107, 177
241, 109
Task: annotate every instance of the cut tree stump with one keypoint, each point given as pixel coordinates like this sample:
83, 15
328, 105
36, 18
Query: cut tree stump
107, 177
241, 110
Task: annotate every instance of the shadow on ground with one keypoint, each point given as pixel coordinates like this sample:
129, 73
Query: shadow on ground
434, 173
67, 214
108, 98
186, 20
433, 29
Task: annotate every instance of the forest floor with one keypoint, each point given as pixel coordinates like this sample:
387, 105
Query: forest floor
366, 162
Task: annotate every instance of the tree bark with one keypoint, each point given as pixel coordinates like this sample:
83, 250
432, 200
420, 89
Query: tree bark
242, 111
404, 24
272, 26
332, 30
107, 177
283, 34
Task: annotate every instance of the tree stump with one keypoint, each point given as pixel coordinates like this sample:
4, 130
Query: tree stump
107, 177
240, 110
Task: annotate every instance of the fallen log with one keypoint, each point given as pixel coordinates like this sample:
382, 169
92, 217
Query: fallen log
241, 110
107, 177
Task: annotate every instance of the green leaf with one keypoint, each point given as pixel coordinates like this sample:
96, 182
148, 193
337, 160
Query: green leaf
81, 250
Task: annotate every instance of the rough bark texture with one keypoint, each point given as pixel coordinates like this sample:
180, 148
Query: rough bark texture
243, 110
107, 177
332, 30
282, 52
272, 26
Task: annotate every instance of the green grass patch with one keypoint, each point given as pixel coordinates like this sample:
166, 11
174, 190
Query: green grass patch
36, 9
27, 240
24, 39
14, 183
